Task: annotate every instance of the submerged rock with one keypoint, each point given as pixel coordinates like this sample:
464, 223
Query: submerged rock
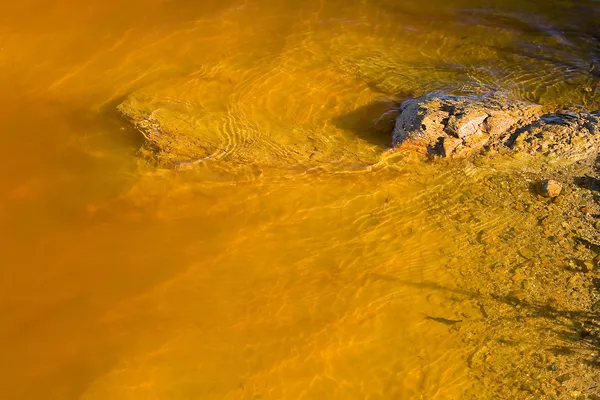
460, 126
271, 123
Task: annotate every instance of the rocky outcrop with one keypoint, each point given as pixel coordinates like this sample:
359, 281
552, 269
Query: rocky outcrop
460, 126
179, 135
450, 126
563, 134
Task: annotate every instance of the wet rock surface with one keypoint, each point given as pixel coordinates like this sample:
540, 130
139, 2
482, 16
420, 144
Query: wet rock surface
447, 125
563, 134
461, 126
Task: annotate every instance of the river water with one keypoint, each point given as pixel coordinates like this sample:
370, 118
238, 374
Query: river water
123, 280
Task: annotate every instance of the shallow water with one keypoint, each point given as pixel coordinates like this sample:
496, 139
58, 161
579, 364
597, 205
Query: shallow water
235, 279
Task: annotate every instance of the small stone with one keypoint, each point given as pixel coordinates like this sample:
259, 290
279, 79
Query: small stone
527, 387
490, 250
564, 377
486, 237
573, 279
518, 294
498, 265
526, 253
527, 285
550, 188
557, 200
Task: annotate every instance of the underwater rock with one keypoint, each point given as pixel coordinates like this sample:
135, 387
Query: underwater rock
270, 124
460, 126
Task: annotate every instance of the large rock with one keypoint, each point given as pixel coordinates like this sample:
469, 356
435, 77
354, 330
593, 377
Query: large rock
451, 126
273, 123
564, 134
459, 126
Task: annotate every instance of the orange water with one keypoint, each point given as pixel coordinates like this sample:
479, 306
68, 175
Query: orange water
119, 281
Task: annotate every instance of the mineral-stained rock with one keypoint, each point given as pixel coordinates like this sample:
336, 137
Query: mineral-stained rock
213, 121
550, 188
460, 126
570, 135
447, 125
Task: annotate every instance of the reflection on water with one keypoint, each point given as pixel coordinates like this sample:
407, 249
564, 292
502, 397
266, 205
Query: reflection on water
123, 281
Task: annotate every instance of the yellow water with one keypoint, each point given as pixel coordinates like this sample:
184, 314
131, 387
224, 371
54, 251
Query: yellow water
119, 280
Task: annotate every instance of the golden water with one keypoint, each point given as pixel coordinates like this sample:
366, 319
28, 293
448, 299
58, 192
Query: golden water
122, 281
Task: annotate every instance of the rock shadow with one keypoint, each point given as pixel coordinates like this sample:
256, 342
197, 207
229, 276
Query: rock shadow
588, 182
575, 330
373, 123
113, 120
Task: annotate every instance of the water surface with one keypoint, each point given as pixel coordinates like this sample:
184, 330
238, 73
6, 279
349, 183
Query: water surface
120, 280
